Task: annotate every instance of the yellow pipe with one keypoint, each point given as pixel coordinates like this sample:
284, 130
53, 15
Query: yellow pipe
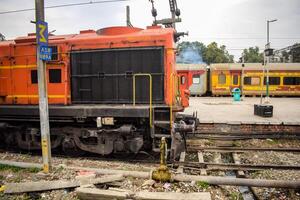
150, 94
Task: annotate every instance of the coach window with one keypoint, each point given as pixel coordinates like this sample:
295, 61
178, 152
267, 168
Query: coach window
291, 81
255, 81
235, 80
54, 75
222, 79
247, 81
251, 81
34, 78
182, 80
272, 80
196, 79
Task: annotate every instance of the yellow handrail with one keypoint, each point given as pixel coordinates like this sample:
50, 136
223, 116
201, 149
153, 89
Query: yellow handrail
171, 102
172, 84
150, 94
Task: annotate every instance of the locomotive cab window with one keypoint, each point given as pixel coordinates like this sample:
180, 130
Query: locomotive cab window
196, 79
222, 79
291, 80
272, 80
34, 77
54, 75
54, 54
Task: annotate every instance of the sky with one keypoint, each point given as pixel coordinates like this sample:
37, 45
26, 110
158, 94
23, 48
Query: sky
238, 24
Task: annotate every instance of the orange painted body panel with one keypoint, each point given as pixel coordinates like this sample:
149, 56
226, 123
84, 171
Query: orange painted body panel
18, 58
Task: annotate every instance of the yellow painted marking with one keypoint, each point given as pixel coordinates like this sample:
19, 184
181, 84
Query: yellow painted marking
170, 51
45, 155
36, 96
42, 31
45, 148
2, 188
18, 67
46, 168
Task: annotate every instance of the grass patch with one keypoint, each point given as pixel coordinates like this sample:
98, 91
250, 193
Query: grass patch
272, 141
11, 168
202, 184
235, 196
236, 144
33, 170
17, 169
209, 142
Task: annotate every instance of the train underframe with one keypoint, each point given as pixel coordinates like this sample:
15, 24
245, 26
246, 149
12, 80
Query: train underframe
101, 130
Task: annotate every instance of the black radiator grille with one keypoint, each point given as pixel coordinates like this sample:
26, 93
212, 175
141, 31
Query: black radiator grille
106, 76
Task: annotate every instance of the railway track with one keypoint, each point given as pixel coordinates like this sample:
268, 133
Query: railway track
239, 149
212, 166
234, 167
202, 165
239, 136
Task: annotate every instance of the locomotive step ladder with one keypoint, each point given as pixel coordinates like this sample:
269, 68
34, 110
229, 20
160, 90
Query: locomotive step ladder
161, 126
159, 118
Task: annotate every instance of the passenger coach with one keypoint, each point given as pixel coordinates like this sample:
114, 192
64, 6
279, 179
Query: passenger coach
284, 78
193, 77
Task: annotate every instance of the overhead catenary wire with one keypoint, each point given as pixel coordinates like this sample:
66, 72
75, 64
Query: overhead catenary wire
63, 5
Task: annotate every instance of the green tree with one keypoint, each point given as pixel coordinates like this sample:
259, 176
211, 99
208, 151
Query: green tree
252, 55
198, 46
2, 38
215, 54
210, 54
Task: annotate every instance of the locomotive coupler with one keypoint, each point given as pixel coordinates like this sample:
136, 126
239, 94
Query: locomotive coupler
182, 127
184, 124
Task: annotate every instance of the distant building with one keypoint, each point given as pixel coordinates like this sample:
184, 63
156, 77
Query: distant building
290, 54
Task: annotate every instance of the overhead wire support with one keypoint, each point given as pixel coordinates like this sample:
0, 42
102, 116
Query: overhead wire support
63, 5
42, 84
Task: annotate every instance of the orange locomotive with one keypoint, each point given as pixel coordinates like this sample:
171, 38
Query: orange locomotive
111, 90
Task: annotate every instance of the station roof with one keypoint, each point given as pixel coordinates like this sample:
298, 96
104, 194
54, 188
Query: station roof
191, 67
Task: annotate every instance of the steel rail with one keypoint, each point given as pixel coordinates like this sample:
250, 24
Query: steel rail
233, 133
239, 149
233, 166
243, 137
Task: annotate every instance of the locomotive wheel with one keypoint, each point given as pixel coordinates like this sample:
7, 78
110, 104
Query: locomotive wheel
69, 147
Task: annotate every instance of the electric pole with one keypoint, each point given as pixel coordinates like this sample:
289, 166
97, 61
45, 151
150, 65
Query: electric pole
128, 21
269, 52
42, 43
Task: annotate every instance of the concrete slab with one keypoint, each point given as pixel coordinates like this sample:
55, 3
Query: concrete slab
234, 122
262, 123
225, 110
220, 121
206, 121
291, 123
